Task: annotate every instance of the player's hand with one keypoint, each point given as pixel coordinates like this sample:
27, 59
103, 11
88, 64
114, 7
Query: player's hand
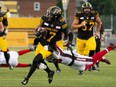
4, 37
96, 34
83, 23
65, 43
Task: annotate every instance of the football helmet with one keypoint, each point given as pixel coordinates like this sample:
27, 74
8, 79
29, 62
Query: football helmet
87, 5
54, 13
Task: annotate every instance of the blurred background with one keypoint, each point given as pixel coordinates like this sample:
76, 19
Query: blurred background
24, 16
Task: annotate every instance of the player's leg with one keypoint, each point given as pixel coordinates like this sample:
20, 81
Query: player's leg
23, 65
4, 49
41, 54
60, 44
80, 45
98, 46
38, 58
50, 72
91, 45
99, 56
58, 70
21, 52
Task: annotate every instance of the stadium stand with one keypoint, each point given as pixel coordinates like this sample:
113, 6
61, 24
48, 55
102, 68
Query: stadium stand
24, 25
12, 5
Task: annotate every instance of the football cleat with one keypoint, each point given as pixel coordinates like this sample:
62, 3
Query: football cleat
10, 67
25, 81
105, 60
50, 76
58, 71
113, 46
81, 72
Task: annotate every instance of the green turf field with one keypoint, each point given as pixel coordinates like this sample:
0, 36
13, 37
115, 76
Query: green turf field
68, 77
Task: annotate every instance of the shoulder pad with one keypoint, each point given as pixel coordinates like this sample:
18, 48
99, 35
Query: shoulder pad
78, 14
92, 11
95, 12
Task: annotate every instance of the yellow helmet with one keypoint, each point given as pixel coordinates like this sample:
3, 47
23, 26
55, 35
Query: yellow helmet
87, 5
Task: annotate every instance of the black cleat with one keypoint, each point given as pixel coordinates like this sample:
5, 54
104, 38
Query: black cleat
10, 67
81, 72
25, 81
58, 71
50, 76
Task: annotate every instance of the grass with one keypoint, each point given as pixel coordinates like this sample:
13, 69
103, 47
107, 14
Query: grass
68, 77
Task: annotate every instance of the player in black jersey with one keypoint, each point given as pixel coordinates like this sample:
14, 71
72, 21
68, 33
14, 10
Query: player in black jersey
3, 32
49, 31
84, 21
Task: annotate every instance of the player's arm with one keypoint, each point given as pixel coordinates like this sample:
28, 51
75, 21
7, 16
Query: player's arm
1, 24
75, 24
2, 30
37, 29
102, 32
69, 36
5, 21
98, 21
1, 27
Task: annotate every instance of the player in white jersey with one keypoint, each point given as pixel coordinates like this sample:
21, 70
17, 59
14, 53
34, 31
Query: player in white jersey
13, 55
79, 62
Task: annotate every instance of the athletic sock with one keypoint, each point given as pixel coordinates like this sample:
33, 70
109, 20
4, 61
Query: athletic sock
7, 57
37, 59
98, 56
22, 65
21, 52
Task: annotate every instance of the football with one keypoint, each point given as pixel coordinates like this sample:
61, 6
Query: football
40, 31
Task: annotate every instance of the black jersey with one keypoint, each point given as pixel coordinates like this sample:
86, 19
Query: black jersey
87, 31
54, 31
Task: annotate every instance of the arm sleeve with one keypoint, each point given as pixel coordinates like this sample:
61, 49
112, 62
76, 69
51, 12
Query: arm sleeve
70, 37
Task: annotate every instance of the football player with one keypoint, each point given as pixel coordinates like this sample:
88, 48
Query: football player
13, 58
3, 32
84, 21
50, 29
80, 62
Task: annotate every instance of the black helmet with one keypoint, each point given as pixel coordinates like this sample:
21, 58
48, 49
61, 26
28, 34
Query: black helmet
87, 5
54, 13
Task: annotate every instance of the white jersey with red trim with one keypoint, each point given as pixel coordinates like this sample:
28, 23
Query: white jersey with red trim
80, 61
13, 58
